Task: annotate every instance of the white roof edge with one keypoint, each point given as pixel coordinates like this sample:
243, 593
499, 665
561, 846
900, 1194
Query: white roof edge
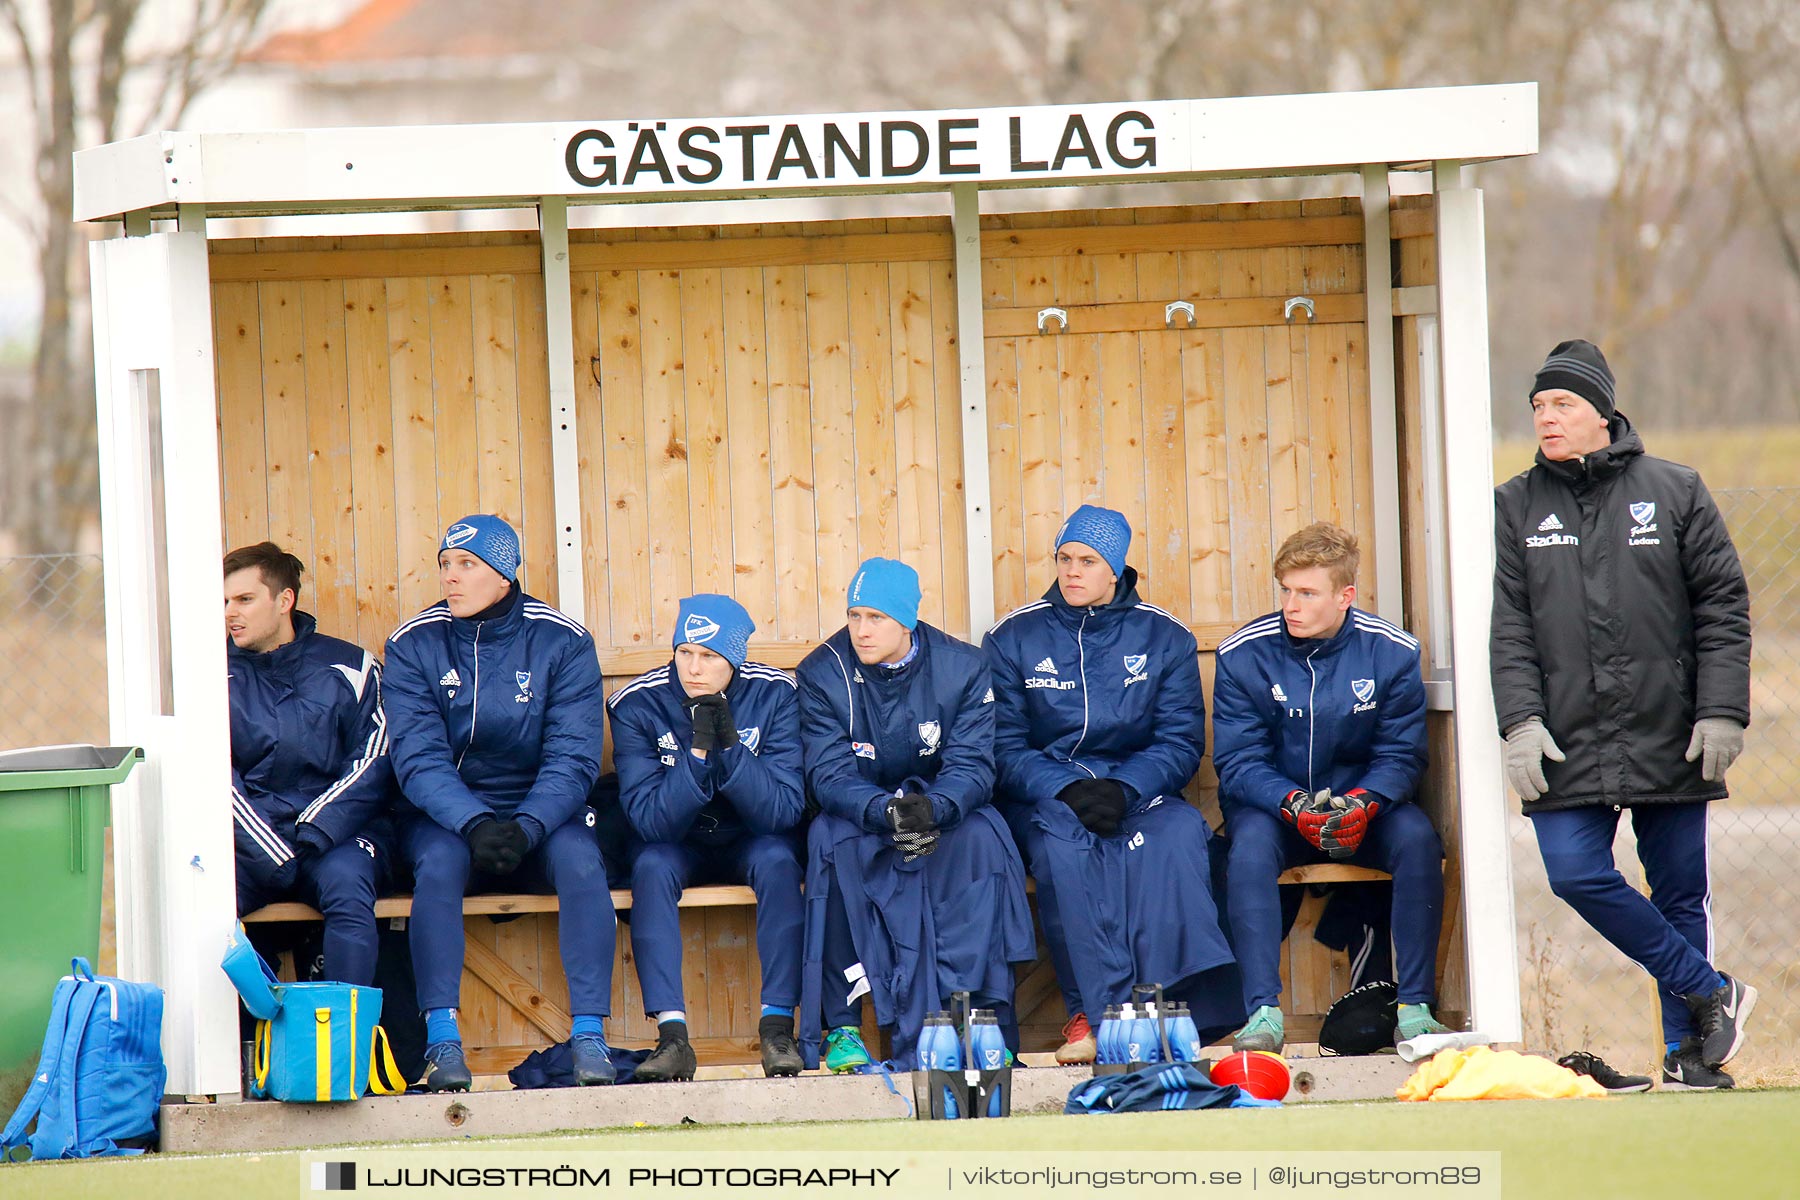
438, 166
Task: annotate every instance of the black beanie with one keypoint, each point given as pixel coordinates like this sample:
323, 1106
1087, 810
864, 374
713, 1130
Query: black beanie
1579, 367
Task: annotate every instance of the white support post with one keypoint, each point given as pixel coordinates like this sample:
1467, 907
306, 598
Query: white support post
1439, 690
972, 352
565, 452
1384, 436
1492, 936
174, 868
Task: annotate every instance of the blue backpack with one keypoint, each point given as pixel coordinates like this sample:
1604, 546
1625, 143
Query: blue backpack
100, 1074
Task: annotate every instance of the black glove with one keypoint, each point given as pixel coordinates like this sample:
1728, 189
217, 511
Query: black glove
498, 847
911, 813
714, 727
1099, 804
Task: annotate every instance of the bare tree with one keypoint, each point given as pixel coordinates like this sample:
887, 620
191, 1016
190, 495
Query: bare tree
84, 69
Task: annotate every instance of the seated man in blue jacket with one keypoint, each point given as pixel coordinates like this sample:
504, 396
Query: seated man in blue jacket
497, 720
1319, 741
311, 783
708, 754
914, 891
1100, 723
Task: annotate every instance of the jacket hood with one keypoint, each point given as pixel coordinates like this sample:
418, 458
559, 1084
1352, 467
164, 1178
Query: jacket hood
1603, 463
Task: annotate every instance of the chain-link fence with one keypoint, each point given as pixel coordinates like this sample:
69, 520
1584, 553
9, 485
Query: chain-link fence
52, 650
1578, 990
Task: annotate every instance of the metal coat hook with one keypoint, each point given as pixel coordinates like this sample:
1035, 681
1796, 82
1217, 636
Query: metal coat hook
1293, 302
1059, 315
1178, 306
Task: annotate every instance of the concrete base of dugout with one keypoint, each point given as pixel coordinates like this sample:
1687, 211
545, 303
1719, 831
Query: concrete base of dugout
266, 1125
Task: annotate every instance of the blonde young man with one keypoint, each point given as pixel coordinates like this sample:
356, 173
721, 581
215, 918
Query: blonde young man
1319, 741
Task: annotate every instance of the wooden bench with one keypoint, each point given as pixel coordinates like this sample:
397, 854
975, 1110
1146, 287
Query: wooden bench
515, 998
724, 895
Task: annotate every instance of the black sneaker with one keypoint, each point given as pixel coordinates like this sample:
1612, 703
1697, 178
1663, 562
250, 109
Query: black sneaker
1720, 1016
673, 1057
780, 1056
1591, 1065
446, 1070
1685, 1070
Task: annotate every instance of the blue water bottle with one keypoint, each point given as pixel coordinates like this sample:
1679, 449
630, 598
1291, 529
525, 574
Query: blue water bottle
1107, 1039
1184, 1036
939, 1051
1125, 1046
1146, 1034
989, 1049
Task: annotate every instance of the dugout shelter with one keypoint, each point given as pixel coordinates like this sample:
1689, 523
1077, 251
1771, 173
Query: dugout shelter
753, 407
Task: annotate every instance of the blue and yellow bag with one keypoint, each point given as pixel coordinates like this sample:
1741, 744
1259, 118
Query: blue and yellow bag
314, 1042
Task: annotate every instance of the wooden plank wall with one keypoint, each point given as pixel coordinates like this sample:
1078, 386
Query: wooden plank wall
761, 407
1216, 440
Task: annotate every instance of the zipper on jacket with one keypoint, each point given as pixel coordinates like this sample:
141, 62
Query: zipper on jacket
1081, 669
1312, 717
475, 700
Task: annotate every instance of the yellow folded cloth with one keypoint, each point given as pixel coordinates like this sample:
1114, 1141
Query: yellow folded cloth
1480, 1073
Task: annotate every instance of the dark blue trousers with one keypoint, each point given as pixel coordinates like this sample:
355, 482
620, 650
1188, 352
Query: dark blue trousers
1136, 907
1669, 934
1400, 841
342, 884
567, 862
769, 863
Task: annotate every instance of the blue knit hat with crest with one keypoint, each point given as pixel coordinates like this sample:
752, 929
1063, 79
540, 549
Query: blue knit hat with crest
886, 585
1108, 532
717, 623
488, 538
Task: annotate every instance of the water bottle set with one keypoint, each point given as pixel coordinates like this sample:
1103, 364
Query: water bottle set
1147, 1030
962, 1075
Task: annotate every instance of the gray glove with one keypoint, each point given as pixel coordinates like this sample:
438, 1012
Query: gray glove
1528, 744
1720, 740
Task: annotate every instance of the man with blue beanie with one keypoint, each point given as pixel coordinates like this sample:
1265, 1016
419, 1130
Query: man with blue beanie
1099, 724
707, 749
1319, 741
495, 706
914, 891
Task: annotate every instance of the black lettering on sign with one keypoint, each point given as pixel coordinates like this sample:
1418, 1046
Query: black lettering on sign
921, 146
689, 146
1076, 143
948, 146
647, 154
791, 151
748, 135
857, 158
1015, 129
579, 162
1144, 143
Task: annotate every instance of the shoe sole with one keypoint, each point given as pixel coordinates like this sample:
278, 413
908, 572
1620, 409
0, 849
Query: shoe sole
1626, 1091
1257, 1046
449, 1087
1670, 1085
780, 1072
1746, 1005
596, 1082
1076, 1058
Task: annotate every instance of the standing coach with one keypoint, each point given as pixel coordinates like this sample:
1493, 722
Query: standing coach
1621, 662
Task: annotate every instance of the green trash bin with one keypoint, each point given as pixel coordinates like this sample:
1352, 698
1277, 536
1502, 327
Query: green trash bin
54, 805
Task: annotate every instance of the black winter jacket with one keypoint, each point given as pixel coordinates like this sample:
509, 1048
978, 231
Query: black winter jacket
1621, 617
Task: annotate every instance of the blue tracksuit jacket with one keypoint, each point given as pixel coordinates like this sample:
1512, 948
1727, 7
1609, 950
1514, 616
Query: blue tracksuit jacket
502, 716
1095, 693
309, 746
752, 787
921, 934
1341, 712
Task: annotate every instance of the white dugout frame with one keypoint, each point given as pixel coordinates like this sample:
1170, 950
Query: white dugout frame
155, 385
